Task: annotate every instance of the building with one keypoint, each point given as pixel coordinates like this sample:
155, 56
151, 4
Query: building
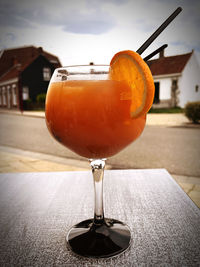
24, 73
177, 79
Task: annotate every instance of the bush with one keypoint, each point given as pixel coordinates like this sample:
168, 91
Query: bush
192, 111
41, 98
27, 104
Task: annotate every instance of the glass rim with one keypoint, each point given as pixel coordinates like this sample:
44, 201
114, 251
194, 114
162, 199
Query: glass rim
84, 65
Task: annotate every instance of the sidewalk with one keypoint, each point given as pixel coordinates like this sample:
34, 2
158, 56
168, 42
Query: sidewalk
18, 160
177, 119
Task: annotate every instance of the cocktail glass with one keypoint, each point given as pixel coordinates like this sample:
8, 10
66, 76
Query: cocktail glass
89, 113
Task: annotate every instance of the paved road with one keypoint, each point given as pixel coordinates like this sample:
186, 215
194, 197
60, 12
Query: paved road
175, 148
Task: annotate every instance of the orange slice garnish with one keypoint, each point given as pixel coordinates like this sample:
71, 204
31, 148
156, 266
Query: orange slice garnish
128, 66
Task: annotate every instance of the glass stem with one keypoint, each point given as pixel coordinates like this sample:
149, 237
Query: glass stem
98, 172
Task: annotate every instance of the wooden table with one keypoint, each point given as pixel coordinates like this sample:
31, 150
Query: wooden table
37, 209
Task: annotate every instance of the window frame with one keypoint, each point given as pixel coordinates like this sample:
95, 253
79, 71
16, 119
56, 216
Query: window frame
46, 73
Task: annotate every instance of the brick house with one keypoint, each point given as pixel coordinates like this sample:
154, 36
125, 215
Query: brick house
24, 73
177, 79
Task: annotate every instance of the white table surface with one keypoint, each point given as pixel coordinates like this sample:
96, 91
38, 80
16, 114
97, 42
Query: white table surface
37, 209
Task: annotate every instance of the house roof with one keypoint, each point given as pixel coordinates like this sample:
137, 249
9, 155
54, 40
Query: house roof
169, 65
12, 59
11, 74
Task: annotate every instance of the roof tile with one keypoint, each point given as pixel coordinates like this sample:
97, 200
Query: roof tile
168, 65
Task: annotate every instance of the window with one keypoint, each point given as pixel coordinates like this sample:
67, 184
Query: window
46, 74
196, 88
14, 95
174, 83
25, 93
4, 96
8, 96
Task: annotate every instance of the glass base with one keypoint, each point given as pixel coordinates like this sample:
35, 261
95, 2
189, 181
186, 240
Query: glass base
102, 240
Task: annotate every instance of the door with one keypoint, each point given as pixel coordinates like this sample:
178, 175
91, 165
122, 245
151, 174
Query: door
157, 93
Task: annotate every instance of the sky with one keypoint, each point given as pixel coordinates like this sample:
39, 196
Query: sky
83, 31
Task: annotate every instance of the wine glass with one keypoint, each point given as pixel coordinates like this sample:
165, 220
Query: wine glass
89, 113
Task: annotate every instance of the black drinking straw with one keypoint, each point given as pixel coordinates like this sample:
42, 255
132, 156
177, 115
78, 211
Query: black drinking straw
158, 31
155, 52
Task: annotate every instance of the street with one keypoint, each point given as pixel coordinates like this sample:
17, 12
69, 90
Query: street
176, 149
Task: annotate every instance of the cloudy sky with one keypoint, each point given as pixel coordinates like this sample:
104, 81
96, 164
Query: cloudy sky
81, 31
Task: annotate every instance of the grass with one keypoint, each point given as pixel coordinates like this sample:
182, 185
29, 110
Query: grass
167, 110
152, 110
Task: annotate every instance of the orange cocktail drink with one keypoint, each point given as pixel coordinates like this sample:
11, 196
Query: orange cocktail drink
92, 117
96, 111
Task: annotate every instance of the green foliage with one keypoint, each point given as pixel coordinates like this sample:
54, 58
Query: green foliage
41, 98
192, 111
27, 104
166, 110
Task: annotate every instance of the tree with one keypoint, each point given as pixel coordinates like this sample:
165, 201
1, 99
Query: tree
174, 93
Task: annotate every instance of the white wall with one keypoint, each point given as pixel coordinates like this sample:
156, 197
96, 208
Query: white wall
188, 81
165, 88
